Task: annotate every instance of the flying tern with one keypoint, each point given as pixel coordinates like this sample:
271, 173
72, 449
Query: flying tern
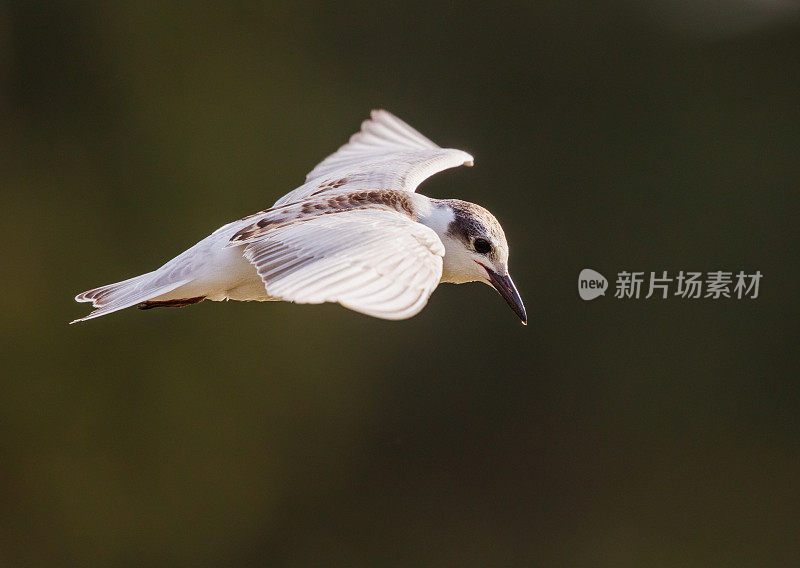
355, 233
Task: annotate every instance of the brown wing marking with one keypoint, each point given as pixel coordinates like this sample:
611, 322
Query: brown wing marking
324, 205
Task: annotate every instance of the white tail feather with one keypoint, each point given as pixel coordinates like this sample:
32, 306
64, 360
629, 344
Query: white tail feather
121, 295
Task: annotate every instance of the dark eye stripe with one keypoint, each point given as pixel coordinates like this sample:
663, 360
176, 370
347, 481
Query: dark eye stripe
482, 246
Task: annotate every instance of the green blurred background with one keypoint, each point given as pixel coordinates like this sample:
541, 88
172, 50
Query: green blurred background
615, 135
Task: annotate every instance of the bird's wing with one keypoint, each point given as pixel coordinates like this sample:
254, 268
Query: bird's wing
372, 261
385, 154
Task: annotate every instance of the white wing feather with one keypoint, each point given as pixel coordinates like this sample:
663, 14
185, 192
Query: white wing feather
386, 153
375, 262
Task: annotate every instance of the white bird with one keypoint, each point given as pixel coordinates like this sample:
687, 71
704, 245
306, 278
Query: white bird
355, 233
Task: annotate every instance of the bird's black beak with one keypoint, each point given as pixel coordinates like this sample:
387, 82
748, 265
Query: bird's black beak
505, 286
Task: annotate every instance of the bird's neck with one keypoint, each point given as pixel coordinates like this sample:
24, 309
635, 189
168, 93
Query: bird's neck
439, 216
433, 213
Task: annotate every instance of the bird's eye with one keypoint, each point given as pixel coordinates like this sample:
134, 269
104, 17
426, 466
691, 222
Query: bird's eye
482, 246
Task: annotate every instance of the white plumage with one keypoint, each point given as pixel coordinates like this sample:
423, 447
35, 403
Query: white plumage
385, 154
371, 261
354, 233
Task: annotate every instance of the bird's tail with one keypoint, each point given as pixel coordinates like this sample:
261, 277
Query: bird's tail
120, 295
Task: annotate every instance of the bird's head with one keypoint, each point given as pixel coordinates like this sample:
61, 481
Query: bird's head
476, 251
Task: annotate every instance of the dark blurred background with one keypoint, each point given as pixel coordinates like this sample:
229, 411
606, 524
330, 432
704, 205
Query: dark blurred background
659, 135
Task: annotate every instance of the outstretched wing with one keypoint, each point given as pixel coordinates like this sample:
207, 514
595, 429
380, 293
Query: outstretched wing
372, 261
385, 154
